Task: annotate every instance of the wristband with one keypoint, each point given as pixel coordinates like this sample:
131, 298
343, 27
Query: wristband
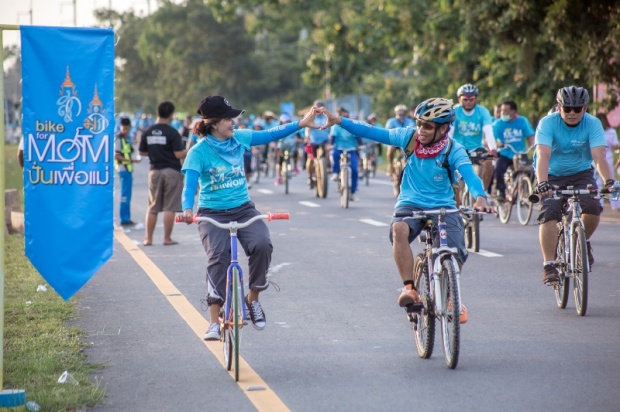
543, 187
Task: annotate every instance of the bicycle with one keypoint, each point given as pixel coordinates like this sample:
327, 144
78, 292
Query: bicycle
519, 180
398, 168
472, 222
319, 177
286, 170
571, 250
233, 315
344, 179
437, 280
368, 164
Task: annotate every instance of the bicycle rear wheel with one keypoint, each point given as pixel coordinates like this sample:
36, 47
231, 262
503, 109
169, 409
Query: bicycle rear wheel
504, 208
580, 275
524, 206
345, 188
450, 319
561, 289
424, 321
472, 224
287, 174
320, 171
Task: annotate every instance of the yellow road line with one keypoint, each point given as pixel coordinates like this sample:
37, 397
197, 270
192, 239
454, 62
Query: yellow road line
263, 400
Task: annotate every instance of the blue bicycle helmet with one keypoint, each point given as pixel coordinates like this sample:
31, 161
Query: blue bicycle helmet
436, 110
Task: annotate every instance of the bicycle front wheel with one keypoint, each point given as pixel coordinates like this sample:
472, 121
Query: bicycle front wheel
320, 171
504, 208
561, 289
345, 188
524, 206
287, 174
237, 318
450, 318
424, 322
580, 274
228, 339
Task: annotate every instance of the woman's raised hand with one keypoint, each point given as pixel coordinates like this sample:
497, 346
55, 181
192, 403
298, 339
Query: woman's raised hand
308, 119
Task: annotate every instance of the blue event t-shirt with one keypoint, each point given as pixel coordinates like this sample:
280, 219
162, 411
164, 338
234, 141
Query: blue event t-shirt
394, 122
570, 146
317, 136
514, 133
428, 186
219, 179
342, 139
468, 127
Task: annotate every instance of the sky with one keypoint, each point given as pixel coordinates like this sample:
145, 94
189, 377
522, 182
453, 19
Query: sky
60, 13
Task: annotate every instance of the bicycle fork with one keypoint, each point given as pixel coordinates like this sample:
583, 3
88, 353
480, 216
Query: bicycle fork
440, 254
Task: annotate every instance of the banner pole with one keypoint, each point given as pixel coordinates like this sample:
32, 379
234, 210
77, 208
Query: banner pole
9, 398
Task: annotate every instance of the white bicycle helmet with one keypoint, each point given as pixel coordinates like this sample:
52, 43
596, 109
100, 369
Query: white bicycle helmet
467, 89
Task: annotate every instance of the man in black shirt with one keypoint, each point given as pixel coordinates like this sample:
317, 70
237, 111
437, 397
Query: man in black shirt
164, 147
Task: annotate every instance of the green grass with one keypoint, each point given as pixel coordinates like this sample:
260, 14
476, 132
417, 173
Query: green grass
39, 342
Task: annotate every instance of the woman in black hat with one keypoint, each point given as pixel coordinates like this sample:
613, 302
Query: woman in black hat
216, 164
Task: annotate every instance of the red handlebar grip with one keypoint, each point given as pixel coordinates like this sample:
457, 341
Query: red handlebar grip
178, 218
275, 216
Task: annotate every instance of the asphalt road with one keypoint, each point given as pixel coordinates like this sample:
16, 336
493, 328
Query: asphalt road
335, 339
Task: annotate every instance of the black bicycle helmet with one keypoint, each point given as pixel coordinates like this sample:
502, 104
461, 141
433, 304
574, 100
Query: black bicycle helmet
572, 96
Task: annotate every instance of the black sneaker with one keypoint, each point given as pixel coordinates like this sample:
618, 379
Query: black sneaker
551, 276
256, 314
590, 254
128, 223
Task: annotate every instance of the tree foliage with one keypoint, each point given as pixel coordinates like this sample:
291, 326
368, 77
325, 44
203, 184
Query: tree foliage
258, 53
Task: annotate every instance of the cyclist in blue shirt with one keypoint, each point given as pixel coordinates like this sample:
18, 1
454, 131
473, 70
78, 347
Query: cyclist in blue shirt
400, 119
315, 138
342, 139
426, 182
216, 163
567, 141
514, 130
473, 127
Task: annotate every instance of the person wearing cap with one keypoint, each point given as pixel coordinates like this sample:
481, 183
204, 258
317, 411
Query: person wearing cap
315, 138
426, 183
214, 166
124, 159
400, 119
163, 145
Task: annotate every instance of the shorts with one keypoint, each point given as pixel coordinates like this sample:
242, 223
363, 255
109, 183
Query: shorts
454, 228
551, 209
165, 188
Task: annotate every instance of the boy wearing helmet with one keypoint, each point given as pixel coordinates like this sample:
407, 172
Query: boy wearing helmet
426, 182
473, 126
567, 141
400, 119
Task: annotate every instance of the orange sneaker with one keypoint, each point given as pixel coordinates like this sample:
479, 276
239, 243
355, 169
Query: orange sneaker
408, 297
463, 318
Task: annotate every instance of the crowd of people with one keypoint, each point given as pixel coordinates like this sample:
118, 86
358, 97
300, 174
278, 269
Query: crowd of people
212, 154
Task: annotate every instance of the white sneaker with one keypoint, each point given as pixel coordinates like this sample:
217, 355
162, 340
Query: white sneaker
213, 333
334, 177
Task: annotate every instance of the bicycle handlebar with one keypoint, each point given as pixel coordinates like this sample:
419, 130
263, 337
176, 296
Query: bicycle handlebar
421, 214
268, 217
568, 192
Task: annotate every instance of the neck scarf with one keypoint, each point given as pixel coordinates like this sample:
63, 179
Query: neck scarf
229, 149
431, 150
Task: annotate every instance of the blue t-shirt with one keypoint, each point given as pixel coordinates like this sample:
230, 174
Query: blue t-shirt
468, 127
317, 136
514, 133
342, 139
395, 122
220, 179
570, 146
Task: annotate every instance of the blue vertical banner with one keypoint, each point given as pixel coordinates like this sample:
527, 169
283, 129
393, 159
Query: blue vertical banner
68, 125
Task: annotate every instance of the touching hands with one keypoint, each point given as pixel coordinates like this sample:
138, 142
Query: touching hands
308, 119
332, 119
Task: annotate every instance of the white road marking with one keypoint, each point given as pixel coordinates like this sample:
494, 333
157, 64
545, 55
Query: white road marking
309, 204
373, 222
486, 253
265, 191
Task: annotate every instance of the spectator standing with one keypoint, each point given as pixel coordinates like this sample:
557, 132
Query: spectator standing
164, 147
611, 139
124, 159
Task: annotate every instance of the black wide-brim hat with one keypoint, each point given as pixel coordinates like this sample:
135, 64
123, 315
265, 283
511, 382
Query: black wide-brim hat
217, 107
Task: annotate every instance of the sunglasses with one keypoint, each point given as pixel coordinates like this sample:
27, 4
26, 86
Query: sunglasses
568, 109
468, 99
425, 125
